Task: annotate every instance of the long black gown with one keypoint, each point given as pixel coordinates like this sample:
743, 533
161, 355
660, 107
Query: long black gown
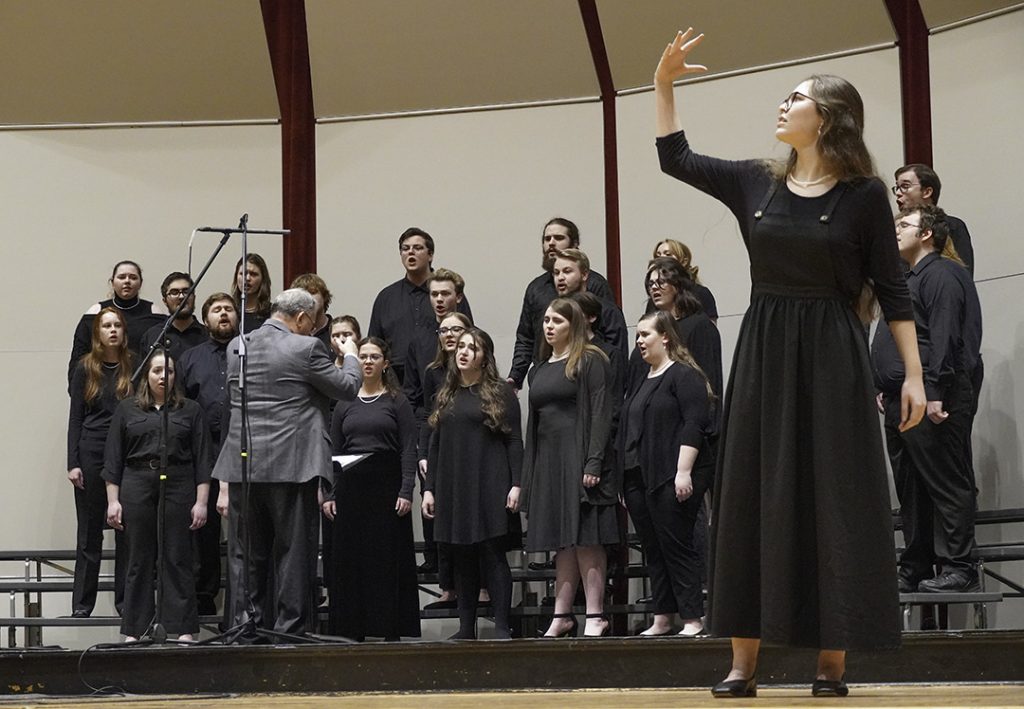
802, 542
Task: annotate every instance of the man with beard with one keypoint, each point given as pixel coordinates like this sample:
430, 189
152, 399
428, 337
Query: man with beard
185, 331
402, 309
202, 374
558, 234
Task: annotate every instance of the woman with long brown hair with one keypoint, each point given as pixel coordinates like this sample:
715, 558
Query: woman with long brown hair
570, 485
802, 531
101, 378
134, 473
472, 486
374, 589
255, 279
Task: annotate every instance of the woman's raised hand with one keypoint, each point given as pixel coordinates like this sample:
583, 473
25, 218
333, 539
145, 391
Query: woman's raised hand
673, 64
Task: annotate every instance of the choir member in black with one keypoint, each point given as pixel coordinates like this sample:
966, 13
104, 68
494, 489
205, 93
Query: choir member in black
102, 377
558, 234
317, 287
202, 372
668, 461
472, 487
185, 331
437, 559
592, 308
374, 589
571, 272
671, 290
570, 485
139, 314
930, 463
343, 328
671, 248
917, 185
132, 470
256, 281
402, 310
801, 465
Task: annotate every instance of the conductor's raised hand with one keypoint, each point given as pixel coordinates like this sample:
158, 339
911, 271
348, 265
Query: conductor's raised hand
673, 65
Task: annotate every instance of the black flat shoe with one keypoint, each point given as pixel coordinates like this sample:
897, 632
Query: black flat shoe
830, 687
735, 688
670, 631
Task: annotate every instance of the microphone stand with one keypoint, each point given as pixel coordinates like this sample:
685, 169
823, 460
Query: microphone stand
156, 631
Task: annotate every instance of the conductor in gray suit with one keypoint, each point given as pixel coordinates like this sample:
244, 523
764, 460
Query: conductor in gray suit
291, 378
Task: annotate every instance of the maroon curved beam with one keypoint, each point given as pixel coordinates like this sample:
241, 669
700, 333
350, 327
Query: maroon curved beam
595, 38
284, 22
915, 81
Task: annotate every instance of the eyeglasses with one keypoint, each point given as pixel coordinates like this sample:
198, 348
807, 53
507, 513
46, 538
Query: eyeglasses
791, 99
371, 357
177, 292
656, 284
406, 248
904, 187
907, 225
457, 330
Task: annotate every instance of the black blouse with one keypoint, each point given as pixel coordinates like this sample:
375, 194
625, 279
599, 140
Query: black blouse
138, 317
386, 424
135, 434
90, 420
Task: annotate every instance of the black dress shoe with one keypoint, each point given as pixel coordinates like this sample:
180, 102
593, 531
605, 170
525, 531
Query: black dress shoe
830, 687
644, 600
80, 614
907, 585
427, 567
735, 688
541, 565
441, 605
950, 582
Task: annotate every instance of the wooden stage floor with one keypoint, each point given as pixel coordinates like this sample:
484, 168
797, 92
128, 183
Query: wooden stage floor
952, 696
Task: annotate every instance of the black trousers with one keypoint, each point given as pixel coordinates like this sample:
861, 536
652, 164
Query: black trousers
282, 524
935, 485
139, 496
666, 530
91, 512
487, 559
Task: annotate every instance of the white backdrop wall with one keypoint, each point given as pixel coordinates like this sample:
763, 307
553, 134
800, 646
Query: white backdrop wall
482, 184
75, 202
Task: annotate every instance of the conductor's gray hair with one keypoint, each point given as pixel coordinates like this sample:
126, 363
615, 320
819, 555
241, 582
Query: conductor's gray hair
292, 302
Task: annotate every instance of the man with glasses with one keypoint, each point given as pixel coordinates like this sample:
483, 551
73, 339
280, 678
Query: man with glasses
930, 462
185, 331
917, 185
403, 308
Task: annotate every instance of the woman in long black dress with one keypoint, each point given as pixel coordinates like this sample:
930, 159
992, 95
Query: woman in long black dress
132, 470
570, 484
802, 538
139, 314
374, 590
667, 455
449, 330
101, 379
671, 248
255, 279
472, 486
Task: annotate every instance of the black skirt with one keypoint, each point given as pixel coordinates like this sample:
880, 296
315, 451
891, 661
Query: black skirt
373, 589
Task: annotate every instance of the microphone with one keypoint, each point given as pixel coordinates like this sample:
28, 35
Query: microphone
244, 221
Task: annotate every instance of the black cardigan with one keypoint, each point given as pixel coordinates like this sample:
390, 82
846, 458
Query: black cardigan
677, 413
